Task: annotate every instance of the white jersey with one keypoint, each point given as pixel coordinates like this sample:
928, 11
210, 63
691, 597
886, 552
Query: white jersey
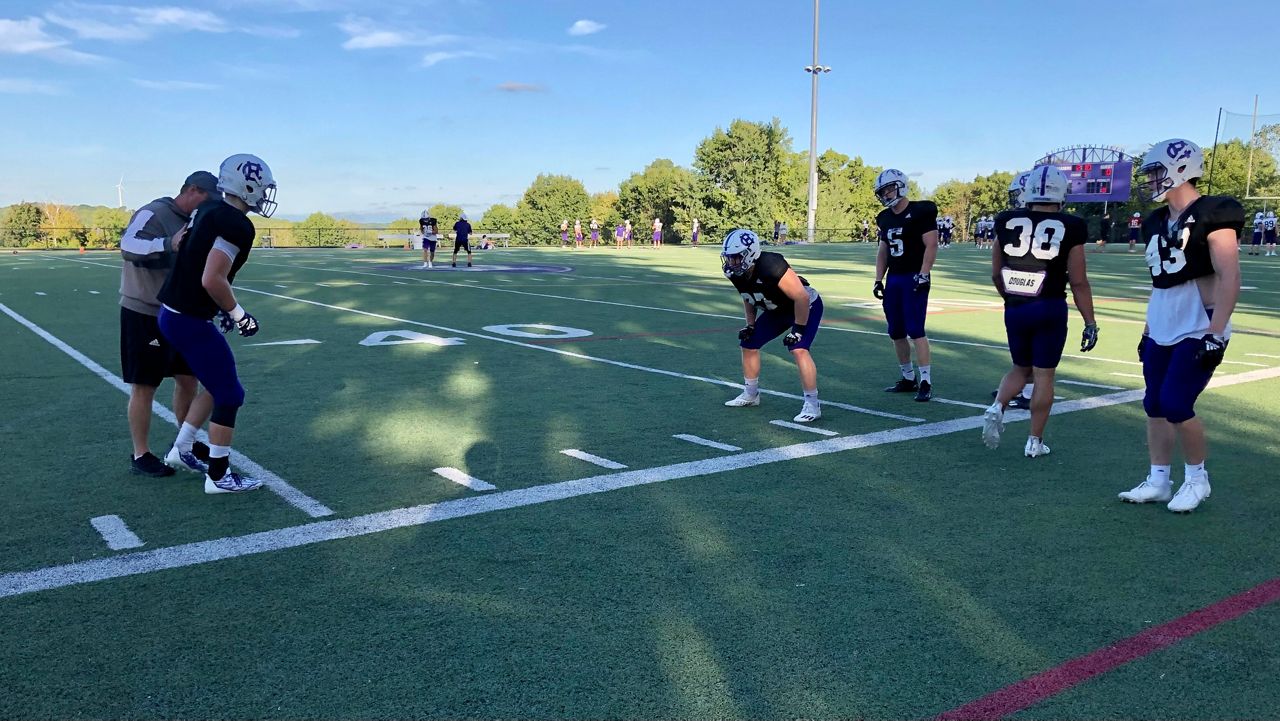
1269, 224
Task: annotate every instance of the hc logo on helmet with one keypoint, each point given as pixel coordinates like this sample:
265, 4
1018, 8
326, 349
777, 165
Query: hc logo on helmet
747, 239
252, 172
1175, 150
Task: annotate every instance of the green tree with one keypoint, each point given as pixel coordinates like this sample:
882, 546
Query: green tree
23, 226
108, 224
498, 218
446, 214
547, 201
604, 208
321, 230
1229, 165
754, 174
662, 190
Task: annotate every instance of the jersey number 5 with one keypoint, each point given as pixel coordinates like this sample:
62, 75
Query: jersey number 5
1042, 240
893, 237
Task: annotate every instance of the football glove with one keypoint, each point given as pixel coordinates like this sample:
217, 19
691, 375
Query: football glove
1209, 354
225, 324
878, 290
794, 335
1142, 343
1089, 338
746, 333
238, 319
922, 281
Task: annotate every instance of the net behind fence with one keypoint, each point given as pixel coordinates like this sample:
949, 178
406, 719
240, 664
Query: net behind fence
1247, 157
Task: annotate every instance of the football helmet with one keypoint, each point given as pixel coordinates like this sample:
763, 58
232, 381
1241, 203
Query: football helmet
887, 179
740, 252
1015, 189
1137, 215
1167, 165
1046, 184
249, 179
1257, 216
1271, 213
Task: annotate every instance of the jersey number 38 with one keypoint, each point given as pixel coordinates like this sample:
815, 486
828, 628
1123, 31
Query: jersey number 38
1042, 240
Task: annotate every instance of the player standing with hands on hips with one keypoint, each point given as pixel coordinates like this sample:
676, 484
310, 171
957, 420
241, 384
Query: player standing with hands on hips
198, 290
908, 246
1195, 277
775, 301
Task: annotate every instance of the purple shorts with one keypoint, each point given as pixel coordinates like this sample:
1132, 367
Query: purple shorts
1037, 332
905, 308
1174, 379
772, 324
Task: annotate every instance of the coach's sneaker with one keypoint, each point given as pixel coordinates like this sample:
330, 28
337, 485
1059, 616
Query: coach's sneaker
992, 425
904, 385
185, 460
148, 465
924, 392
1035, 448
231, 482
744, 399
809, 413
1148, 492
1194, 490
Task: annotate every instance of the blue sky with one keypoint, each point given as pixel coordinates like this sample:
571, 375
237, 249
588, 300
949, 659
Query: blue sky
375, 109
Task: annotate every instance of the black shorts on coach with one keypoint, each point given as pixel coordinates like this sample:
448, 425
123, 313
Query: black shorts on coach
146, 358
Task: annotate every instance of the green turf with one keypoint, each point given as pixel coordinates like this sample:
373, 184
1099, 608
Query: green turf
890, 582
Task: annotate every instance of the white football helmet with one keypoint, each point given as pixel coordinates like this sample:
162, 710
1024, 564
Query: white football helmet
1271, 213
1167, 165
891, 178
740, 252
1015, 189
1137, 215
1046, 184
249, 179
1257, 216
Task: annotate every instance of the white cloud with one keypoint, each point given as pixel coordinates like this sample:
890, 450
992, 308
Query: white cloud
28, 37
172, 85
22, 86
182, 18
440, 56
366, 35
586, 27
122, 23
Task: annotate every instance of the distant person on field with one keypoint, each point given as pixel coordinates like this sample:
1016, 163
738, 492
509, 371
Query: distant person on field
595, 232
462, 239
564, 233
657, 233
1135, 226
1104, 230
618, 231
150, 245
629, 238
866, 230
694, 236
1269, 232
577, 233
430, 229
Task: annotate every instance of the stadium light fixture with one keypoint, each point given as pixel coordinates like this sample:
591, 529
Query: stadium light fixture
815, 69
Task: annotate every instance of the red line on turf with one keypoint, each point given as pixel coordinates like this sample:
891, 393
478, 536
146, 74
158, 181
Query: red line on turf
1033, 690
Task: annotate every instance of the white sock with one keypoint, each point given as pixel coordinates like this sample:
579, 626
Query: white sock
219, 451
1192, 470
1028, 389
753, 386
924, 374
908, 371
811, 398
186, 437
1160, 475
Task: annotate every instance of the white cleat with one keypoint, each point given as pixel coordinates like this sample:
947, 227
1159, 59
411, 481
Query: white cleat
231, 482
1148, 492
744, 399
1035, 448
992, 425
184, 461
1194, 490
809, 413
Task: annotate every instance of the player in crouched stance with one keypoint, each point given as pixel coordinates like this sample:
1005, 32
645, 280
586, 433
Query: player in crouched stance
775, 301
1195, 278
198, 290
1038, 251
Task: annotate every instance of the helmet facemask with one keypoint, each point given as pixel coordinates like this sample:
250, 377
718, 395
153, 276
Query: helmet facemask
883, 193
736, 265
1157, 184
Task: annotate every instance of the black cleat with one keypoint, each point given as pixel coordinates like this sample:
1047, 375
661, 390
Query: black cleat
904, 385
925, 392
149, 465
1019, 402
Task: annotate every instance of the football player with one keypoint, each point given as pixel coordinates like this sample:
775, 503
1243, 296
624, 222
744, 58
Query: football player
1135, 226
1269, 232
1022, 401
564, 233
577, 235
1039, 251
1195, 276
430, 229
908, 247
149, 245
1258, 222
948, 225
1016, 186
218, 241
462, 238
776, 301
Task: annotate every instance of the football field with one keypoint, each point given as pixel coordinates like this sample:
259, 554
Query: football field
514, 491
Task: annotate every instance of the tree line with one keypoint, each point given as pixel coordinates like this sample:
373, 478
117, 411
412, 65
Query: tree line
744, 175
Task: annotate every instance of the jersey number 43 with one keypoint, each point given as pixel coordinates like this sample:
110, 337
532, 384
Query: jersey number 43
1162, 257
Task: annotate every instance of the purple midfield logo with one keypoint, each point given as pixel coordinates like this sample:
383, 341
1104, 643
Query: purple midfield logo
252, 172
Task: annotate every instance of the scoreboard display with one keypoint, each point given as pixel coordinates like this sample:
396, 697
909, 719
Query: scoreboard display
1098, 182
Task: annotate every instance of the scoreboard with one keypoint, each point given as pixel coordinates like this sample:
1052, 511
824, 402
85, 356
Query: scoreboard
1098, 182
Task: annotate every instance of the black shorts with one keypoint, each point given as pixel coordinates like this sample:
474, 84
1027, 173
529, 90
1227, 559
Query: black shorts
146, 358
466, 245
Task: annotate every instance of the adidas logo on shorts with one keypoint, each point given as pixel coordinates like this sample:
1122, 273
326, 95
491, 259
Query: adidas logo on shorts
155, 342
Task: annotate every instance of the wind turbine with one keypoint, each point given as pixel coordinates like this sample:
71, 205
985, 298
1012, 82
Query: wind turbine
120, 192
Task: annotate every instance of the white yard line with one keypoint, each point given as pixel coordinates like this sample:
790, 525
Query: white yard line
116, 533
464, 479
276, 484
966, 404
1262, 355
705, 442
591, 458
1090, 385
192, 554
300, 341
803, 427
1130, 375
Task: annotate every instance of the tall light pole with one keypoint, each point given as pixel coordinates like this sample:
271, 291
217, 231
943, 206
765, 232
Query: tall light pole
814, 70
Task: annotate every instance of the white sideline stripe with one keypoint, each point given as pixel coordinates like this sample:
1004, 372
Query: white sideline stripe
282, 286
192, 554
116, 533
802, 427
274, 483
1090, 385
463, 479
705, 442
94, 292
300, 341
966, 404
1262, 355
591, 458
581, 356
40, 292
1130, 375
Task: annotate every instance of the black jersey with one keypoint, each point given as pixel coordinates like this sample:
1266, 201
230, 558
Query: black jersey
760, 288
215, 224
1034, 246
1181, 253
428, 225
904, 234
